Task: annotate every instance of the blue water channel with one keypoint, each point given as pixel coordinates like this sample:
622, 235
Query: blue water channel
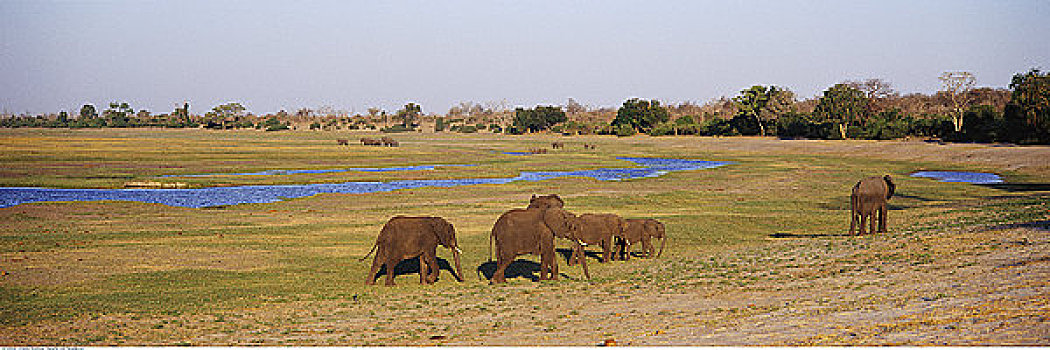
960, 176
216, 196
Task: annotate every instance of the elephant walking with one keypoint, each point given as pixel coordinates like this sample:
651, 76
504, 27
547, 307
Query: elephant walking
406, 237
869, 198
643, 231
595, 229
530, 231
548, 201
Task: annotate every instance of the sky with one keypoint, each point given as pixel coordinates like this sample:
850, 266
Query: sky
352, 55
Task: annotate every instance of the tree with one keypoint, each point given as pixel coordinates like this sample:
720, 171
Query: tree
409, 115
118, 114
572, 107
537, 119
640, 115
762, 104
957, 86
876, 90
1029, 105
88, 112
220, 114
843, 105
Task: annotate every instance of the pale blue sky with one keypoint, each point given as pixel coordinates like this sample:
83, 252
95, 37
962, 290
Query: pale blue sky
273, 55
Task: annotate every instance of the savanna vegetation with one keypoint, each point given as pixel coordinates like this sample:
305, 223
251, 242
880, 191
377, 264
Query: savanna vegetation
869, 109
757, 252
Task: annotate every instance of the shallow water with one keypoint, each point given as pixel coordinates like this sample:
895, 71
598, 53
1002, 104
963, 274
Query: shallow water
960, 176
215, 196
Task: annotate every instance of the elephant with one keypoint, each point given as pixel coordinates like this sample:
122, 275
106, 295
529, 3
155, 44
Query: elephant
642, 230
387, 141
589, 229
370, 142
343, 142
405, 237
548, 201
530, 231
869, 197
557, 145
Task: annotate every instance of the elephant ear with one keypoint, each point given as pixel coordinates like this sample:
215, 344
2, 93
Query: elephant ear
444, 231
890, 186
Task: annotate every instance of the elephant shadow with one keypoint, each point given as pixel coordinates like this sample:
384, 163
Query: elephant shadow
807, 235
517, 268
411, 266
566, 253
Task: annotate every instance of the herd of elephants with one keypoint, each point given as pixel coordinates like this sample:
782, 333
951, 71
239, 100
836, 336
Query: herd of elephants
533, 231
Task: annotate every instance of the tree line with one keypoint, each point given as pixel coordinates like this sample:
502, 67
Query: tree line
868, 109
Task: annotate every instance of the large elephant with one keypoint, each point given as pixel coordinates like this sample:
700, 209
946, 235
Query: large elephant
548, 201
405, 237
530, 231
595, 229
869, 197
643, 231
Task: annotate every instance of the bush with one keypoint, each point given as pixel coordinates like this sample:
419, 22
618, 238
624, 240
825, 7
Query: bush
624, 130
397, 129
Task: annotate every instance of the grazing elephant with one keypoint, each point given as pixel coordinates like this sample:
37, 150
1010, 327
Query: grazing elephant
590, 229
343, 142
868, 198
406, 237
557, 145
642, 230
530, 231
387, 141
370, 142
544, 202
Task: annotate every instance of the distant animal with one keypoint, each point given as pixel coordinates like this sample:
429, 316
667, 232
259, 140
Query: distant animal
405, 237
643, 231
589, 146
371, 142
530, 231
538, 150
544, 202
557, 145
343, 142
389, 142
595, 229
869, 198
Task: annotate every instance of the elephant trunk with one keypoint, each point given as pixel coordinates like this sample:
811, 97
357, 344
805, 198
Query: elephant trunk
455, 258
663, 241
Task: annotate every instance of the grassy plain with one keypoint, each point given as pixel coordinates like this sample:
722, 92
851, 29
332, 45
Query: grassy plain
757, 254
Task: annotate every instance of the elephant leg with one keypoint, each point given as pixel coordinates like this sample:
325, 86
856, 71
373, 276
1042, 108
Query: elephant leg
852, 223
882, 218
422, 269
572, 257
373, 273
606, 250
390, 264
627, 250
583, 263
554, 265
873, 222
501, 269
863, 222
434, 268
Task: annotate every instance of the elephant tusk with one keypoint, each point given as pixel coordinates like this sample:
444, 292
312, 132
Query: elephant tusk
581, 243
457, 250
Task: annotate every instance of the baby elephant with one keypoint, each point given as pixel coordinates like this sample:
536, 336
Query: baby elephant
868, 198
642, 230
405, 237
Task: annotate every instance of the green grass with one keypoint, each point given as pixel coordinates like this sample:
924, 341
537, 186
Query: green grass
153, 260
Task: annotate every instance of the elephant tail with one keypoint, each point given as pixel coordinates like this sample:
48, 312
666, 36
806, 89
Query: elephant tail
369, 252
